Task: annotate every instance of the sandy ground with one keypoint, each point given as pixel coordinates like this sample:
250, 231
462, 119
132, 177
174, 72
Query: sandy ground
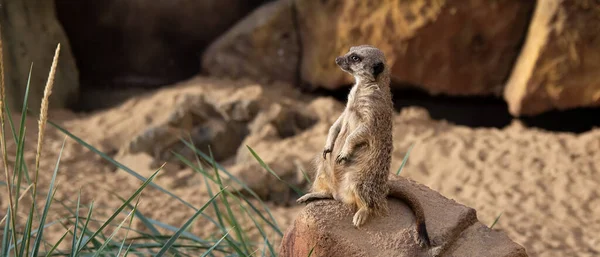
545, 184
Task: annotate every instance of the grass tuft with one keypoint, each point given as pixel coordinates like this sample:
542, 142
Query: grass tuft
496, 220
405, 159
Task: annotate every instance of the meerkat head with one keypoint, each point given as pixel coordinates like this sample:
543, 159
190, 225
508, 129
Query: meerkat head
366, 63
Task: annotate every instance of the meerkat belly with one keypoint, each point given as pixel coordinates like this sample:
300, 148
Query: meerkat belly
345, 173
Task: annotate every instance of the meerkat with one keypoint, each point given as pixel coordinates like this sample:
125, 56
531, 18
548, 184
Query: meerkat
361, 141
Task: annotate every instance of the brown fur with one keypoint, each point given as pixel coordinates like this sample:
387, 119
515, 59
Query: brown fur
360, 143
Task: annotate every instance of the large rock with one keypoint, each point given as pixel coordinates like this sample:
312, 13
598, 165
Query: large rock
141, 43
263, 46
30, 35
325, 227
452, 47
558, 66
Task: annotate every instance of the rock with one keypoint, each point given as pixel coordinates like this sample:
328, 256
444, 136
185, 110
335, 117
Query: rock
141, 43
30, 35
196, 120
242, 105
262, 46
275, 135
286, 121
266, 186
450, 47
453, 229
557, 68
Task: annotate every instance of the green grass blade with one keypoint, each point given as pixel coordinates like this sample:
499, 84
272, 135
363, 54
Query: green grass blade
127, 232
49, 253
74, 241
17, 170
5, 233
264, 249
114, 215
258, 226
148, 223
209, 190
83, 230
16, 138
108, 240
219, 216
274, 226
231, 243
138, 214
171, 240
215, 245
36, 245
311, 251
232, 218
20, 144
266, 167
127, 251
405, 159
305, 176
26, 233
496, 220
272, 222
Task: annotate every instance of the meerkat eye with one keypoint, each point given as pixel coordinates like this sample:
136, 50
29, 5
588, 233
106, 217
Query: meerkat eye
355, 58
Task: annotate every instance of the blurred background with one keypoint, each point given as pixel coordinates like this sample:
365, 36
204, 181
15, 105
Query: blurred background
500, 98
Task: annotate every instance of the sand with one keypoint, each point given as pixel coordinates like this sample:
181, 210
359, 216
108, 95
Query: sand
545, 184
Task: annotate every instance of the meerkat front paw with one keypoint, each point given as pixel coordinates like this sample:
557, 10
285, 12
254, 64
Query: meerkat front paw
326, 150
342, 157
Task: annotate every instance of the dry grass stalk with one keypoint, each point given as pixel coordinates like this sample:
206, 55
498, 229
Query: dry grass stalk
44, 115
3, 140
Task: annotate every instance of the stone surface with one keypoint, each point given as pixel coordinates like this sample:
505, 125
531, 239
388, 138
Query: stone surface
451, 47
262, 46
558, 66
141, 43
30, 35
453, 229
195, 120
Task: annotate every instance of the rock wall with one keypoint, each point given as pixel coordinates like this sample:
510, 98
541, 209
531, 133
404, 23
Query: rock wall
30, 35
450, 47
263, 46
558, 66
140, 43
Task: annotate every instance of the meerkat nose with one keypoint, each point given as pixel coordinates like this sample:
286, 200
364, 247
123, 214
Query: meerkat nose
338, 60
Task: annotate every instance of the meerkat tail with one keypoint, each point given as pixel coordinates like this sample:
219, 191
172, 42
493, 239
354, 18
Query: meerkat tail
408, 197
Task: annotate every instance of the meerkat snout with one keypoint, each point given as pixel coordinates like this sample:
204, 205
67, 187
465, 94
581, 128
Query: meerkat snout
364, 62
342, 63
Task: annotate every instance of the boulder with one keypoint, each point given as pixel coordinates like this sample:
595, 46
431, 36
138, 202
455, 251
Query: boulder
141, 43
30, 34
325, 228
558, 66
263, 46
450, 47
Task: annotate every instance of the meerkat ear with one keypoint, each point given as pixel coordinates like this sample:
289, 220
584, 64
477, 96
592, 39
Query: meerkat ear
377, 68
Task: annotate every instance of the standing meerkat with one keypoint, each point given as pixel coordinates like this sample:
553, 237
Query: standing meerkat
360, 144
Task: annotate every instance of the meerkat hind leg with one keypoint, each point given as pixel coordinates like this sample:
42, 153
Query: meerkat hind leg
321, 189
362, 214
367, 204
